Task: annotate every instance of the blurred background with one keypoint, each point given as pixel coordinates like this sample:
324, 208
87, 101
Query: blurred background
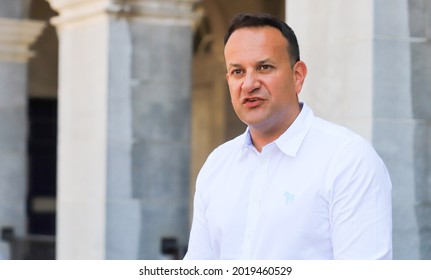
108, 109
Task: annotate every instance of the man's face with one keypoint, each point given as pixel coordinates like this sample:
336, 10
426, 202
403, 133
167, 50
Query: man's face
263, 86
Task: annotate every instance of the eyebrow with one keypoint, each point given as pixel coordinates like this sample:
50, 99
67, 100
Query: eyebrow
263, 61
236, 65
260, 62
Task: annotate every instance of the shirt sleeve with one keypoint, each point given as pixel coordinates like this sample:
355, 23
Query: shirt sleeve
360, 206
199, 247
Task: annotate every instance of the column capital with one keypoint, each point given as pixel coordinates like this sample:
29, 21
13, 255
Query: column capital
178, 12
16, 36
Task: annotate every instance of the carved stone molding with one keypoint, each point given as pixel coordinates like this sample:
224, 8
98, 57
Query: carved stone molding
16, 36
178, 12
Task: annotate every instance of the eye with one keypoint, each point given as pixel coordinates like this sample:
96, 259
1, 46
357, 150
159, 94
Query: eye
265, 67
236, 72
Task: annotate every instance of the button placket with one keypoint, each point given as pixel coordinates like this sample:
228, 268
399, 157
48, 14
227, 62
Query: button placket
254, 205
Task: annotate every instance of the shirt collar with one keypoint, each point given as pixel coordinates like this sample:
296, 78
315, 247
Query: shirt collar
290, 141
247, 144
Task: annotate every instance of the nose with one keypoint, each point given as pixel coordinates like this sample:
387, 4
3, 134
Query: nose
251, 82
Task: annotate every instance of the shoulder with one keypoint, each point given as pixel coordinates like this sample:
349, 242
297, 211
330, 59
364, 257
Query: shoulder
334, 132
220, 157
325, 134
352, 158
344, 148
338, 139
227, 149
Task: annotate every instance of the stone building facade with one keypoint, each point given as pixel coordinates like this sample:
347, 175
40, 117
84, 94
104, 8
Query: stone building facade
109, 108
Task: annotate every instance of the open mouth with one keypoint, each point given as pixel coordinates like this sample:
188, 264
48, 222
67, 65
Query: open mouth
253, 101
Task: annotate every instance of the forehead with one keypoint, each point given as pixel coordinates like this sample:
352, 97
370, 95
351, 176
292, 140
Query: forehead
254, 41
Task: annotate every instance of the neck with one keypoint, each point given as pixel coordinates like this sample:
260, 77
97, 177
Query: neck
263, 134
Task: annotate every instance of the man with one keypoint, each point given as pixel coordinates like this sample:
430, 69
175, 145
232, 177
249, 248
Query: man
293, 186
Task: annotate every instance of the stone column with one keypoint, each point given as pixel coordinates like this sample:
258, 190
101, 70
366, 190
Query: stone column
394, 126
419, 41
124, 117
369, 69
16, 36
336, 42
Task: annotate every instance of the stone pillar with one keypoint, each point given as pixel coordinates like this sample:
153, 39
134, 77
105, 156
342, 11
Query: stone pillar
419, 12
16, 36
394, 130
369, 69
336, 43
124, 117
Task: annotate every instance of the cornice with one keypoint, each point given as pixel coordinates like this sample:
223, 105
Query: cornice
16, 36
179, 12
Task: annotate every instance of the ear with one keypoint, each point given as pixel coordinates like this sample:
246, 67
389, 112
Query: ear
299, 74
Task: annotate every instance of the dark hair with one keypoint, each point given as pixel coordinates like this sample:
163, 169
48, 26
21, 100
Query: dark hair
244, 20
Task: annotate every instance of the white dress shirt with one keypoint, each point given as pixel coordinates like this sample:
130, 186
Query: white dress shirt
318, 192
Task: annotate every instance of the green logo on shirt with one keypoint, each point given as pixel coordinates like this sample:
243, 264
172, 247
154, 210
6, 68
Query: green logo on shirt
289, 198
